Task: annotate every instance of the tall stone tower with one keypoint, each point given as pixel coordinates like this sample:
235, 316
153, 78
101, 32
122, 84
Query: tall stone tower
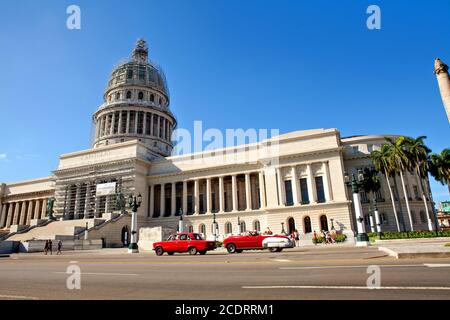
136, 106
441, 72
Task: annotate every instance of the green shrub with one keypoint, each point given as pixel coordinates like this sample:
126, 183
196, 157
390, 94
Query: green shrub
338, 238
414, 234
219, 244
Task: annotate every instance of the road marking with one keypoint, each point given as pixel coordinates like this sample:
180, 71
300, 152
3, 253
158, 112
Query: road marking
282, 260
350, 266
7, 296
73, 261
437, 265
105, 274
346, 287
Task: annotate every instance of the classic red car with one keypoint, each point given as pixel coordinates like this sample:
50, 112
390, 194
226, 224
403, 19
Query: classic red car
184, 242
253, 240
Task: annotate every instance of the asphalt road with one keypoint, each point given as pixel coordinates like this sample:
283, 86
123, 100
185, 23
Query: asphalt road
314, 273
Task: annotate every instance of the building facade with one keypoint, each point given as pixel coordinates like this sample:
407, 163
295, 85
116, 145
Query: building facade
292, 181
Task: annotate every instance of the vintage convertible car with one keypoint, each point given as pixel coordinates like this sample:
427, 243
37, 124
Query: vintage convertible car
252, 240
184, 242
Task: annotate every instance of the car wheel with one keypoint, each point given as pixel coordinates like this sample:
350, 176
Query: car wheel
193, 251
239, 250
159, 251
202, 253
279, 249
170, 253
273, 249
231, 248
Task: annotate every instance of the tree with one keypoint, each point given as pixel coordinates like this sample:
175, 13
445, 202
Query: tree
371, 185
381, 161
439, 167
418, 152
401, 161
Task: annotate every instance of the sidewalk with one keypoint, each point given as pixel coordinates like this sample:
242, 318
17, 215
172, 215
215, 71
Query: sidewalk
415, 248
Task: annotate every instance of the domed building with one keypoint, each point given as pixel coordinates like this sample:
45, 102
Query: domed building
292, 181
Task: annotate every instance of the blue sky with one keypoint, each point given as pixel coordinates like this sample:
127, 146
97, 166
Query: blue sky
290, 65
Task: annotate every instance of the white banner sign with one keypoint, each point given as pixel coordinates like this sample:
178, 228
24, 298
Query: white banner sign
106, 189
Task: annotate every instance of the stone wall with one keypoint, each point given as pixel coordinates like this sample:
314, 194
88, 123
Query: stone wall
111, 231
147, 236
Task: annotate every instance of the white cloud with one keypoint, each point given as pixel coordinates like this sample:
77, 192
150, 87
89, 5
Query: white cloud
3, 156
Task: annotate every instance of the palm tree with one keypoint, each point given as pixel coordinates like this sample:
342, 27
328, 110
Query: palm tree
402, 162
381, 161
439, 166
418, 153
371, 185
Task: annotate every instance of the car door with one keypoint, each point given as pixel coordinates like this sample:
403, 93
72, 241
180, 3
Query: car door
254, 241
183, 243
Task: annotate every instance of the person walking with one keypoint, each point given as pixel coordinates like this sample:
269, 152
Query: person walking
50, 246
59, 247
296, 238
46, 247
315, 237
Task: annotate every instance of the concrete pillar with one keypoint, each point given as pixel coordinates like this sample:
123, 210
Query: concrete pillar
208, 195
44, 209
3, 214
158, 125
29, 212
184, 197
128, 122
113, 120
144, 123
327, 182
136, 117
119, 125
10, 215
162, 203
37, 209
280, 182
234, 192
295, 186
164, 129
77, 202
151, 204
23, 213
221, 200
261, 190
248, 192
151, 125
312, 192
196, 197
173, 199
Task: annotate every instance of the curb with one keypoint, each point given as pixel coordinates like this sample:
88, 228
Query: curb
4, 255
413, 255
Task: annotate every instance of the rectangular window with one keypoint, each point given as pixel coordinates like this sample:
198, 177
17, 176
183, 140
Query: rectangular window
132, 121
190, 207
320, 190
213, 202
288, 192
304, 190
416, 192
413, 216
140, 124
141, 73
129, 74
148, 123
161, 121
123, 127
178, 205
155, 125
201, 200
116, 122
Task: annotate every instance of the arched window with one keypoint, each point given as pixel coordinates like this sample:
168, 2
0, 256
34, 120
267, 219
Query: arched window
307, 224
141, 95
152, 97
323, 223
256, 225
228, 228
202, 229
128, 94
291, 225
191, 229
118, 96
243, 226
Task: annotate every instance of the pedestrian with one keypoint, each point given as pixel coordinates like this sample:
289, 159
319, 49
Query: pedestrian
46, 247
59, 247
296, 238
50, 246
315, 237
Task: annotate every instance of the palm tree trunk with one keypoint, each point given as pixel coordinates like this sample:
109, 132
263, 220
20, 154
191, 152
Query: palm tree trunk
400, 210
393, 200
408, 210
424, 198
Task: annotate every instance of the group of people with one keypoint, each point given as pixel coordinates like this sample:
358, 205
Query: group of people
49, 247
326, 235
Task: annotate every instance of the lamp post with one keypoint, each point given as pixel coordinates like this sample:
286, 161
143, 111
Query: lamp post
180, 222
332, 224
134, 203
361, 238
377, 217
239, 226
214, 226
86, 232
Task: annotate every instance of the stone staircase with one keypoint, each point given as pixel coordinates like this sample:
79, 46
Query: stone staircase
60, 230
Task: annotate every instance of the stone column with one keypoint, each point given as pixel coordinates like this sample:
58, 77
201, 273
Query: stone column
128, 122
312, 192
295, 186
196, 197
162, 203
144, 123
4, 213
77, 202
261, 190
282, 200
152, 201
248, 192
88, 198
221, 202
15, 219
120, 123
30, 212
164, 129
327, 182
184, 197
173, 199
44, 208
151, 125
208, 195
158, 125
136, 117
10, 215
37, 209
113, 120
23, 213
234, 192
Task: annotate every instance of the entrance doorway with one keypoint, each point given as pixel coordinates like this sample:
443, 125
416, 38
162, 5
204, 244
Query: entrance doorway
307, 224
291, 225
324, 223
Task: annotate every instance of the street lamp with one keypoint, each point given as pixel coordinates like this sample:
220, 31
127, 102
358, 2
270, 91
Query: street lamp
180, 222
214, 225
134, 203
361, 238
86, 232
377, 218
332, 225
239, 225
